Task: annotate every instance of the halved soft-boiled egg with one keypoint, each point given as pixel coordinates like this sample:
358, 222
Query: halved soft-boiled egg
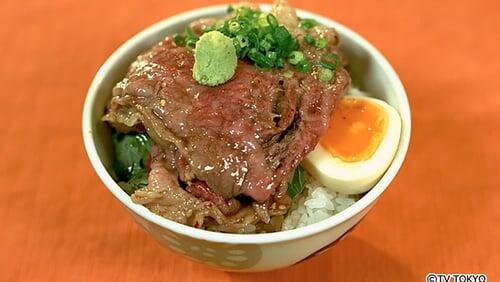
358, 146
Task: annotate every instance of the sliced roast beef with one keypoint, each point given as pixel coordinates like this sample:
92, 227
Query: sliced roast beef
243, 137
218, 147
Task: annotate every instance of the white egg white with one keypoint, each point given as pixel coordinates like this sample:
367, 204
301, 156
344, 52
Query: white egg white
356, 177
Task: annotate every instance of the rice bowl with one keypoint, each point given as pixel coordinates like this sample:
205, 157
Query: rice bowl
384, 84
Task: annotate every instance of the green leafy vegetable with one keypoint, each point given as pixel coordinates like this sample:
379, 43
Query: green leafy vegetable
139, 180
296, 186
131, 152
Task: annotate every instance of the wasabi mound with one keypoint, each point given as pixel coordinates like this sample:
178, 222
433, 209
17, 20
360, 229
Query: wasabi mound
215, 59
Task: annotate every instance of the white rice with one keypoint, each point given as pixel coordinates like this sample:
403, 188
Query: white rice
316, 203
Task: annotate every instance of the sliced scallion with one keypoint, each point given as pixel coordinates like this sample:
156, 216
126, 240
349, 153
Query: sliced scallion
303, 66
309, 39
325, 74
190, 43
259, 37
330, 60
321, 43
234, 26
178, 39
288, 74
262, 21
271, 19
307, 24
296, 57
265, 45
280, 63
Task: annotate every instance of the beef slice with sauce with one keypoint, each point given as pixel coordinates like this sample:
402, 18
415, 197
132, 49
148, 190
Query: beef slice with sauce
246, 136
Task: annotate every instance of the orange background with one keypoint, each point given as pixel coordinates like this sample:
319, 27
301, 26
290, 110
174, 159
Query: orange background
441, 214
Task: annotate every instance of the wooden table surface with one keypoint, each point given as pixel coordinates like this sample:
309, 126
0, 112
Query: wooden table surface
441, 214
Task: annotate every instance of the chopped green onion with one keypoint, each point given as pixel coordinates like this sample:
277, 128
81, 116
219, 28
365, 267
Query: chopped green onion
264, 45
262, 21
245, 12
178, 39
325, 74
272, 55
327, 65
206, 29
260, 59
243, 41
288, 74
234, 27
330, 61
269, 38
190, 33
271, 19
296, 57
309, 39
218, 24
280, 63
191, 43
307, 24
191, 39
244, 52
260, 38
230, 9
321, 42
303, 66
253, 39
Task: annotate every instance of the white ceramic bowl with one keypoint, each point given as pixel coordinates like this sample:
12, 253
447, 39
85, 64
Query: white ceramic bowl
235, 252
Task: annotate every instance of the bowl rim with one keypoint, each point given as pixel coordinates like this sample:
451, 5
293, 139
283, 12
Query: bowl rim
359, 206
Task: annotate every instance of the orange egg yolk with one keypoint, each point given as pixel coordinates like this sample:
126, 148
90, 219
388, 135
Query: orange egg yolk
357, 127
